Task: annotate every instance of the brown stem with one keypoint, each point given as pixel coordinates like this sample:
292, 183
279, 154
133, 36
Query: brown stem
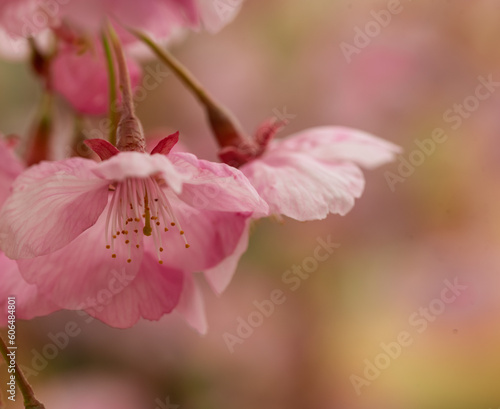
224, 124
123, 74
129, 134
30, 402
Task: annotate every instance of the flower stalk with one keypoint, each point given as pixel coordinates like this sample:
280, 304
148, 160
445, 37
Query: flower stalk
112, 95
30, 402
224, 124
129, 133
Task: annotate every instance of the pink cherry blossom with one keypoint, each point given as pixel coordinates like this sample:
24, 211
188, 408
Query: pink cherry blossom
20, 19
316, 172
25, 18
29, 303
160, 18
118, 238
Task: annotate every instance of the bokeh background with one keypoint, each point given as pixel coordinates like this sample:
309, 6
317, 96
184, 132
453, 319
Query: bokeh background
396, 247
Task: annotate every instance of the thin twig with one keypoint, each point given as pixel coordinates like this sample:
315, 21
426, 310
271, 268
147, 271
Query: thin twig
30, 402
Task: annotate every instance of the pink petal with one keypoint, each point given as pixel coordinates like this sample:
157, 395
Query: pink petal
212, 237
10, 168
51, 204
154, 292
17, 17
216, 186
340, 144
220, 276
29, 303
304, 188
140, 165
83, 80
160, 18
102, 148
84, 272
166, 144
191, 305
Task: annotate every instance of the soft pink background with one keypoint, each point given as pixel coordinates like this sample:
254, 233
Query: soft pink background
396, 248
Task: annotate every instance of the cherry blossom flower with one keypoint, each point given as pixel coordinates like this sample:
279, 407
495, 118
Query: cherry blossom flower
313, 173
119, 237
29, 303
160, 18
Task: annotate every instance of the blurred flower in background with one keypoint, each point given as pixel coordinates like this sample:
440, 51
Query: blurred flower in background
292, 329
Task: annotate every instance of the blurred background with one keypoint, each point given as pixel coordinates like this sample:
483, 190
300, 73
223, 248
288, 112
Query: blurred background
397, 247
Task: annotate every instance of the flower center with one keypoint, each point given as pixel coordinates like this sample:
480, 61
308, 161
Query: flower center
139, 207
